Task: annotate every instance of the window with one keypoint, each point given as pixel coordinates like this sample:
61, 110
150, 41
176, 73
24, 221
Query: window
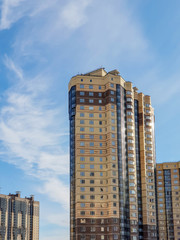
91, 122
81, 114
112, 106
82, 174
99, 87
91, 181
113, 121
91, 151
92, 197
100, 137
91, 144
100, 144
81, 121
91, 129
82, 136
82, 166
82, 181
100, 94
82, 197
82, 213
82, 158
129, 113
82, 129
81, 86
81, 93
82, 144
91, 166
92, 213
82, 189
81, 107
91, 189
112, 85
90, 86
100, 108
100, 101
91, 108
91, 159
82, 151
112, 114
100, 129
91, 174
91, 115
91, 100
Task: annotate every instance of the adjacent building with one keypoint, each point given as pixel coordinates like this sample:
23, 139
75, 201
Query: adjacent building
19, 218
168, 200
112, 159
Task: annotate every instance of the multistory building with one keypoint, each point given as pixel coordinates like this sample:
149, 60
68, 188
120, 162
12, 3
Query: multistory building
168, 200
19, 218
112, 159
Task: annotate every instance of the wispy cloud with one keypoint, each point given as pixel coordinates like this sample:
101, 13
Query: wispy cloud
8, 7
30, 133
73, 14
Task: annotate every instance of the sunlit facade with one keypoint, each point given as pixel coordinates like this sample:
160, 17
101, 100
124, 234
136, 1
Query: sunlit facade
168, 200
19, 218
112, 159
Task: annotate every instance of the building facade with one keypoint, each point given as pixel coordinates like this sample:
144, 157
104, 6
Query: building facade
168, 200
112, 159
19, 218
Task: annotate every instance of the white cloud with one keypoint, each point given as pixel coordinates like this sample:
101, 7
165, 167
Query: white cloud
56, 191
73, 14
11, 66
32, 133
8, 9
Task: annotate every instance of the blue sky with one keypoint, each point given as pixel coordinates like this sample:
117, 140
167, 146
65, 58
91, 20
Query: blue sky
43, 43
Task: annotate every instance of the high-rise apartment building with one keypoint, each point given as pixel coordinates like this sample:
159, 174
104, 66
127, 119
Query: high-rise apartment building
19, 218
112, 158
168, 200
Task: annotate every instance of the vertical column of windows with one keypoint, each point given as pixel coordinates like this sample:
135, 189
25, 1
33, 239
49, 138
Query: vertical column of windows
168, 204
175, 179
72, 112
138, 169
133, 207
122, 175
161, 204
150, 160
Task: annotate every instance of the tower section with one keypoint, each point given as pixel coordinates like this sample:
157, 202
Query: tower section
108, 175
